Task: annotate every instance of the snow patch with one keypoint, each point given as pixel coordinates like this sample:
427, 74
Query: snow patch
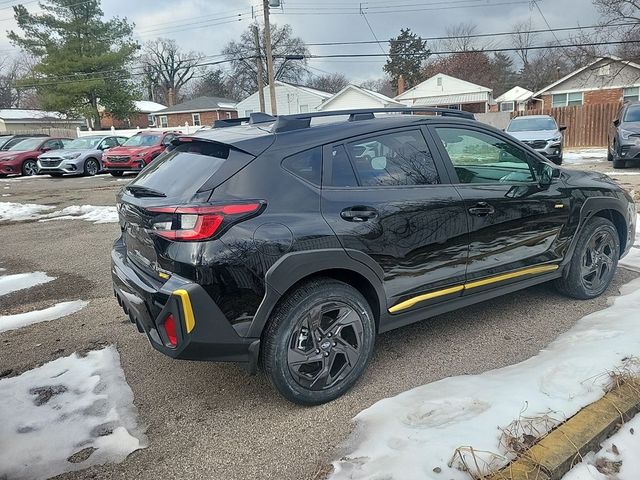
632, 259
410, 435
622, 447
22, 211
20, 281
584, 156
90, 213
68, 414
621, 174
59, 310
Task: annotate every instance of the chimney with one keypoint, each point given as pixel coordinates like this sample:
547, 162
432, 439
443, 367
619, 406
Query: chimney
400, 84
171, 97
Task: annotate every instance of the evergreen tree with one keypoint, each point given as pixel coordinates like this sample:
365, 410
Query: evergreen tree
407, 53
83, 60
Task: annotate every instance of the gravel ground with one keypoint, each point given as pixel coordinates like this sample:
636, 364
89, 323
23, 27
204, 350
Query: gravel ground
213, 420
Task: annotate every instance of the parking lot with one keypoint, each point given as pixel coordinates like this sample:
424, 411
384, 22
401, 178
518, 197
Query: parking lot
208, 420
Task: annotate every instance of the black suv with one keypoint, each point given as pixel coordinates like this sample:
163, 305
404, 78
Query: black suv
624, 136
292, 241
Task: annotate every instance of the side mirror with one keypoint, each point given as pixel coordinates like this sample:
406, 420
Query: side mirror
562, 128
616, 123
45, 149
546, 174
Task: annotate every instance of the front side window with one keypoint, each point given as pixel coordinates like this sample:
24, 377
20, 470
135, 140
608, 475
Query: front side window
394, 159
481, 158
306, 165
196, 119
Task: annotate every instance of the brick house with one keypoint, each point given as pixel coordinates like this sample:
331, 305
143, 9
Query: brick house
198, 111
605, 80
142, 119
448, 92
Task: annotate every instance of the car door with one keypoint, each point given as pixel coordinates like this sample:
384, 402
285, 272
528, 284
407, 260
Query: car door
387, 196
517, 228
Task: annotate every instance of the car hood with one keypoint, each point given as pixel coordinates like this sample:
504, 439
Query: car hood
128, 150
631, 126
13, 153
535, 134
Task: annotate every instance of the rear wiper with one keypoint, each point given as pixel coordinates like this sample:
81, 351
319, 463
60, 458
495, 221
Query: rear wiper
139, 191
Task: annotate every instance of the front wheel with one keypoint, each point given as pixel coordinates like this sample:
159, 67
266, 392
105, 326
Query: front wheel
117, 173
29, 168
91, 167
594, 261
318, 341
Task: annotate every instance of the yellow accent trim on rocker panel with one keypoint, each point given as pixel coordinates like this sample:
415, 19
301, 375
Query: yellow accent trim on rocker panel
427, 296
478, 283
189, 318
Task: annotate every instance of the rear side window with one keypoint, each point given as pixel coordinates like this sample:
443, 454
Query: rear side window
394, 159
341, 174
181, 172
306, 165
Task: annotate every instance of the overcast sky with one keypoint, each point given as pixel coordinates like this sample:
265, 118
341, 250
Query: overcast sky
207, 25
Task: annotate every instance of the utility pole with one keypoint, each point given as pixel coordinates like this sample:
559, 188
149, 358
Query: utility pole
256, 36
267, 41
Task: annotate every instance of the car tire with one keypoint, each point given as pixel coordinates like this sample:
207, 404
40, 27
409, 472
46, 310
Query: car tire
91, 167
619, 163
609, 156
318, 341
117, 173
594, 261
29, 168
55, 175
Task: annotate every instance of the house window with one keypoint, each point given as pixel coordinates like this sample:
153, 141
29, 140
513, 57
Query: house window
228, 114
507, 106
631, 94
150, 121
304, 108
439, 81
566, 99
248, 112
196, 119
164, 122
604, 70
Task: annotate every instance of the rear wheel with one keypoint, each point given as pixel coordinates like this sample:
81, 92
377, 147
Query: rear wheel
91, 167
117, 173
594, 261
318, 341
29, 168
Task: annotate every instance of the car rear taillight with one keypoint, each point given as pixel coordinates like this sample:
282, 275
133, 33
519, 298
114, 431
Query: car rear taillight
170, 330
193, 223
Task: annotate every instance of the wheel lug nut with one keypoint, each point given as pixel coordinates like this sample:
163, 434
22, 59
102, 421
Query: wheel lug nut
326, 354
334, 344
317, 350
329, 334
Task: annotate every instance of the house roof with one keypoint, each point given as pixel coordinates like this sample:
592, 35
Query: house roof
146, 106
516, 94
448, 86
378, 97
582, 69
200, 104
24, 115
455, 99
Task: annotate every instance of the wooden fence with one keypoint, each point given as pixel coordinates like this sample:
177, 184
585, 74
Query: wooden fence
587, 125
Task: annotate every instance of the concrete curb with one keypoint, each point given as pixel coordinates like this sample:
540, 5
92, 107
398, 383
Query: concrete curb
554, 455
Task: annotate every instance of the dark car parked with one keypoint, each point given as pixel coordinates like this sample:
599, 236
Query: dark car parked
291, 242
624, 136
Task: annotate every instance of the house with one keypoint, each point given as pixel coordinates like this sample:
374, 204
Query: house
16, 120
513, 100
290, 98
352, 96
448, 92
198, 111
605, 80
142, 119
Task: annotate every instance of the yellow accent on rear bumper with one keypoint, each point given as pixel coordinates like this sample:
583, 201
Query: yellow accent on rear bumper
189, 318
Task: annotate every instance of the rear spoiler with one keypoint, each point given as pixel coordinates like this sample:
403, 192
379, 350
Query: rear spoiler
252, 119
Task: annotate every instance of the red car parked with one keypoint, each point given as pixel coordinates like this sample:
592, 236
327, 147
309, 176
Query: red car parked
21, 158
135, 153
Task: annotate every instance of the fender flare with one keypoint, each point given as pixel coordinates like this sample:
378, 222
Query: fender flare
294, 266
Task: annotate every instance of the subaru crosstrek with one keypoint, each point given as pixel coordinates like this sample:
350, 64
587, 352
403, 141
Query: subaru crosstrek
137, 152
290, 242
540, 132
624, 136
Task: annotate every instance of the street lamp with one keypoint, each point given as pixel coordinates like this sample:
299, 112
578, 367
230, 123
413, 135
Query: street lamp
286, 59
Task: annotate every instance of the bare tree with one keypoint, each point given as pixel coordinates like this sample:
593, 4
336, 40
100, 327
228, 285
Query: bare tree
382, 85
167, 69
11, 71
461, 38
330, 82
619, 10
522, 39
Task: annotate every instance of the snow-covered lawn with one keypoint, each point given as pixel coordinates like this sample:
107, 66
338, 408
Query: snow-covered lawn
20, 281
59, 310
586, 155
91, 213
67, 415
617, 460
632, 259
416, 434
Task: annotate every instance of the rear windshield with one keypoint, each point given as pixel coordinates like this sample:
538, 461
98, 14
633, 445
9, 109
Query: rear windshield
632, 115
181, 172
145, 140
524, 124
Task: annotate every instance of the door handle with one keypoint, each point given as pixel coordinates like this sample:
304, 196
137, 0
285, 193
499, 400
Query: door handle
482, 209
358, 214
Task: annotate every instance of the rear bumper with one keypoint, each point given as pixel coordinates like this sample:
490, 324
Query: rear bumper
148, 302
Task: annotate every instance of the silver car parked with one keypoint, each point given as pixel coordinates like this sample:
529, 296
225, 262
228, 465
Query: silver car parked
81, 156
540, 132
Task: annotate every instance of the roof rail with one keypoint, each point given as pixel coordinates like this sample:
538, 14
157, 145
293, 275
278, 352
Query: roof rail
286, 123
252, 119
